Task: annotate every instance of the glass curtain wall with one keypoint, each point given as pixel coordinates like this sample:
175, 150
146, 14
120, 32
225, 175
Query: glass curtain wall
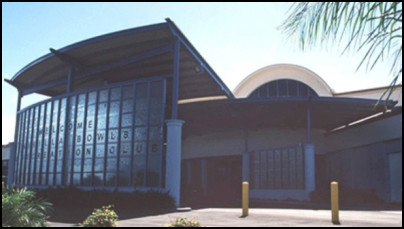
110, 136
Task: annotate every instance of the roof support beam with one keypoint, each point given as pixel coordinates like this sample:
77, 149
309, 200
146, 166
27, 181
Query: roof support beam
18, 104
96, 70
69, 86
67, 59
12, 83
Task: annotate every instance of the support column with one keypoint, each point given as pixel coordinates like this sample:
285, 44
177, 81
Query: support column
19, 101
173, 158
69, 86
69, 89
310, 166
308, 117
204, 172
309, 157
176, 78
245, 159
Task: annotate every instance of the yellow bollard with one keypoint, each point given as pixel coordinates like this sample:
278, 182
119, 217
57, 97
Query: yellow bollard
334, 203
245, 197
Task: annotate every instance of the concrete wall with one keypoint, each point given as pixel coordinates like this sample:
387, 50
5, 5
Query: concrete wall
361, 168
358, 158
215, 144
280, 194
396, 176
234, 142
238, 142
382, 130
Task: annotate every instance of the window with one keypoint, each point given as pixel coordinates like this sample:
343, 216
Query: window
283, 88
280, 168
114, 138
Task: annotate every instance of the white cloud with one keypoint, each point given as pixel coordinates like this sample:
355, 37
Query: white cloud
7, 132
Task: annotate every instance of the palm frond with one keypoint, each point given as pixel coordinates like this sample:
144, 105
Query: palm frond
374, 28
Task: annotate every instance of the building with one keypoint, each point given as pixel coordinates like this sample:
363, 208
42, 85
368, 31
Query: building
289, 134
141, 109
5, 157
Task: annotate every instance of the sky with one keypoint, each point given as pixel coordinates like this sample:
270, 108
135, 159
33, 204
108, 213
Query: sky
236, 39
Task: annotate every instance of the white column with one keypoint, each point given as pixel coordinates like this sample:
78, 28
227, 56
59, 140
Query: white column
173, 158
310, 165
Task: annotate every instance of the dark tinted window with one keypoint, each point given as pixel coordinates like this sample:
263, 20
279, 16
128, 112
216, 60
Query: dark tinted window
283, 88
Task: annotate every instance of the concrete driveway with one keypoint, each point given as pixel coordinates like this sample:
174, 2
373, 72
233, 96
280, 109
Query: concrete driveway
220, 217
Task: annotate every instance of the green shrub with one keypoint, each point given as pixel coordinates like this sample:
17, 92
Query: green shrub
104, 217
184, 222
20, 208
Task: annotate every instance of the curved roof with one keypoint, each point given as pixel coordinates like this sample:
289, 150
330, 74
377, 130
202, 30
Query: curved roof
120, 56
282, 71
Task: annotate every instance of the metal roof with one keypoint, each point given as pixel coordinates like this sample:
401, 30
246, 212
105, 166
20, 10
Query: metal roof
125, 55
327, 113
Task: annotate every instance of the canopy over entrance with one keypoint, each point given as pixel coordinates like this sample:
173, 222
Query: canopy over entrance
326, 113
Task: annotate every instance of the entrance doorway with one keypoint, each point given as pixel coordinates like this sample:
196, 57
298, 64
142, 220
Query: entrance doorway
212, 182
225, 181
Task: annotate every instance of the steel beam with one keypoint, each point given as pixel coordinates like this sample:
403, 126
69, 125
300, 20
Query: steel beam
67, 59
70, 75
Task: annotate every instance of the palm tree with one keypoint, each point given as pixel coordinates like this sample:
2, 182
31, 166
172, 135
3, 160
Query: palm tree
21, 208
374, 28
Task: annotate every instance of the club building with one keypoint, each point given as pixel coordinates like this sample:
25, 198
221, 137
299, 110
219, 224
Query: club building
142, 109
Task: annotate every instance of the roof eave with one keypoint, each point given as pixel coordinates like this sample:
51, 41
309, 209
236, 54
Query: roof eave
90, 41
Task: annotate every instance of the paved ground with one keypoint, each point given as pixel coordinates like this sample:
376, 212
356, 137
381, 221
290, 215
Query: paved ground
220, 217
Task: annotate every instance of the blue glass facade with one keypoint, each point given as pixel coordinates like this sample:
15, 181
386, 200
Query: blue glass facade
104, 137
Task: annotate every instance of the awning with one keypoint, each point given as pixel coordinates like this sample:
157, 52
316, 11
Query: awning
327, 113
120, 56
